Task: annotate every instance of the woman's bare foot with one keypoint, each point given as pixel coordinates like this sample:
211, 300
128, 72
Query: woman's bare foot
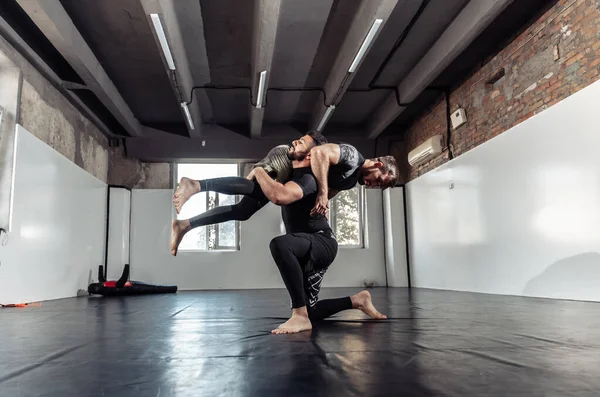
178, 230
186, 189
362, 301
297, 323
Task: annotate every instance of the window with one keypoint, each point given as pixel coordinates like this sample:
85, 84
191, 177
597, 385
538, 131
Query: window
346, 217
223, 236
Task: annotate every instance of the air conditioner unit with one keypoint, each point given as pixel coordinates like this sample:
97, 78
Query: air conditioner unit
426, 151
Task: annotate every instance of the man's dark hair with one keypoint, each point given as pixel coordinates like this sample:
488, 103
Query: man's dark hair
390, 167
317, 137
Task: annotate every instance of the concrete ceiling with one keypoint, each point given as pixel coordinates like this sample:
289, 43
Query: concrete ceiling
119, 35
110, 49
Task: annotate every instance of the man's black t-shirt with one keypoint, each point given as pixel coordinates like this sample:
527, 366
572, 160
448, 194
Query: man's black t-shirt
296, 216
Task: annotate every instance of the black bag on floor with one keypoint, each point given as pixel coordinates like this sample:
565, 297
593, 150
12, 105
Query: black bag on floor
123, 286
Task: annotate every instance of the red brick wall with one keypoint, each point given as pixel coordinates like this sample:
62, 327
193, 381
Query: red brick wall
534, 80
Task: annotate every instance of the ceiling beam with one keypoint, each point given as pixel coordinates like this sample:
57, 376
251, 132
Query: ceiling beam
69, 85
266, 19
54, 22
220, 145
340, 78
179, 148
183, 25
470, 23
28, 55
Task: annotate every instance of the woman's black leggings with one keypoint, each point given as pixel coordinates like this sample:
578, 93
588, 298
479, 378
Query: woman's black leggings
254, 199
291, 254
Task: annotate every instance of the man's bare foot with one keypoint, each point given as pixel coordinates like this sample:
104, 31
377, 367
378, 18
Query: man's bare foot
362, 301
178, 230
186, 189
297, 323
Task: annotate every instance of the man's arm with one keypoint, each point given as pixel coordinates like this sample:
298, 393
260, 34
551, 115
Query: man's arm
277, 193
321, 157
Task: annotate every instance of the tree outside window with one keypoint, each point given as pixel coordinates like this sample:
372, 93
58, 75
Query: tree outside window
346, 217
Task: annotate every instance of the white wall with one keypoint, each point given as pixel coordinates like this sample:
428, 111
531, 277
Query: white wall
250, 267
10, 83
58, 224
395, 237
354, 267
524, 215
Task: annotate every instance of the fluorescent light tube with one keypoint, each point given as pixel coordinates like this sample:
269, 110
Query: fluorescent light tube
162, 38
365, 45
326, 116
261, 89
188, 116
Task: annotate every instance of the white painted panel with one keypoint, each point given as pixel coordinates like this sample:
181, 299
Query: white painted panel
524, 215
118, 231
10, 97
252, 266
58, 226
395, 237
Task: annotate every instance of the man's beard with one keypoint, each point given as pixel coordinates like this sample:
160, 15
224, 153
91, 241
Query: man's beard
290, 152
296, 156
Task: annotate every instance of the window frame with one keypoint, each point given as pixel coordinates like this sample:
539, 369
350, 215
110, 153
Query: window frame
237, 229
362, 219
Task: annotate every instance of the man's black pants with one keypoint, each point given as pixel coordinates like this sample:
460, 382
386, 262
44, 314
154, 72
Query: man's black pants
303, 259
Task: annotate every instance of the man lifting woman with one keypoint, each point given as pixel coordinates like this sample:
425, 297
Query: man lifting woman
288, 179
336, 167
